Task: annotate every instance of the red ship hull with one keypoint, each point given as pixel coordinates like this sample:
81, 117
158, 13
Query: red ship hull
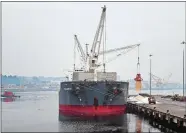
91, 111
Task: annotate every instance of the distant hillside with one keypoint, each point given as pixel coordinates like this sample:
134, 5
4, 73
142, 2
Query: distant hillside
20, 80
10, 80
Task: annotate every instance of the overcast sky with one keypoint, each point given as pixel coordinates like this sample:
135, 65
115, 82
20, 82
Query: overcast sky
38, 37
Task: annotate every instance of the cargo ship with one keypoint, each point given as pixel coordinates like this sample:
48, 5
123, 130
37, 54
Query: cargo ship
92, 94
86, 100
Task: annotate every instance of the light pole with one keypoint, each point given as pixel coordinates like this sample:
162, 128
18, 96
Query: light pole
183, 70
150, 73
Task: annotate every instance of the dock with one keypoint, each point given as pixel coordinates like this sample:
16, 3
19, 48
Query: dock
166, 113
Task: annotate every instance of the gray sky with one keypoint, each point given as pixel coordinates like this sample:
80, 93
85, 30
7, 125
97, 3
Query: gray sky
38, 37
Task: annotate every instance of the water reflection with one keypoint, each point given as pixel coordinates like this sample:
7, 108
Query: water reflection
93, 126
138, 126
90, 127
8, 99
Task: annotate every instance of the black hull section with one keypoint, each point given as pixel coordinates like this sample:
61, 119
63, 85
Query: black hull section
103, 101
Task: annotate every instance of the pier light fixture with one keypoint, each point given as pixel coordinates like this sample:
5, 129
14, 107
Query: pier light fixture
150, 72
183, 42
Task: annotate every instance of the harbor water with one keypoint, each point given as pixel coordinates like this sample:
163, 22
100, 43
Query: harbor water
38, 112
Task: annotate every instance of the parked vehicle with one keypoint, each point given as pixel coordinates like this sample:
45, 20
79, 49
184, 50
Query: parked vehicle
152, 100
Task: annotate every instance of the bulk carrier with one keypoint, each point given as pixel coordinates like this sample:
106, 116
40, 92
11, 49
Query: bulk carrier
93, 94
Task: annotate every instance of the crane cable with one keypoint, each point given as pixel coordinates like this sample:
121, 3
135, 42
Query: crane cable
138, 78
138, 64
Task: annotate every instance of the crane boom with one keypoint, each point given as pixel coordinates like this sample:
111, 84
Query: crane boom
125, 50
99, 33
80, 48
119, 49
90, 60
94, 53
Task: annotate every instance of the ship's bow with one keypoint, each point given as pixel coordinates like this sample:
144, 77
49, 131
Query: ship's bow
100, 101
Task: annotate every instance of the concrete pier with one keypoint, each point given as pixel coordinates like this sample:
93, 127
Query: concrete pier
168, 114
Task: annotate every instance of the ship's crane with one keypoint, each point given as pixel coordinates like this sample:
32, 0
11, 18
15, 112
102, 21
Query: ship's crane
95, 50
94, 53
80, 49
91, 60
